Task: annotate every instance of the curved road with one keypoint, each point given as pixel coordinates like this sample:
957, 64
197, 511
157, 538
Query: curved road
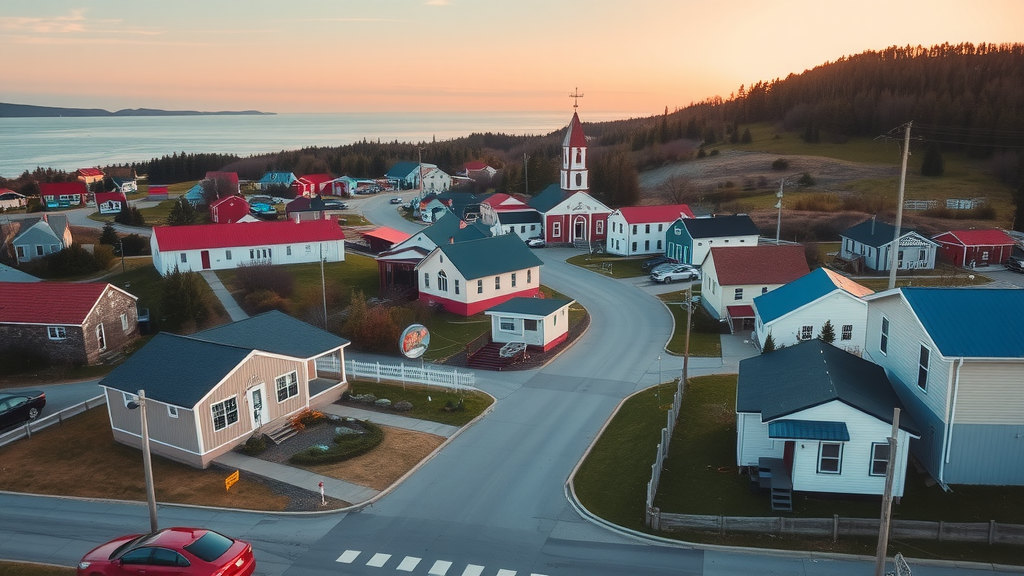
491, 503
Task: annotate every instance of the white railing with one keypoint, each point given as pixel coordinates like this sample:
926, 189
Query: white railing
32, 426
328, 364
411, 373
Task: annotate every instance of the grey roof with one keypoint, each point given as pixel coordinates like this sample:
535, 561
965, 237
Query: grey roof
451, 227
519, 217
53, 228
548, 198
8, 274
530, 306
490, 256
721, 226
178, 370
813, 373
875, 233
275, 332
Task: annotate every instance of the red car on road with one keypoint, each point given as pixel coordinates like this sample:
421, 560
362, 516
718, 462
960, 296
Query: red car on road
186, 551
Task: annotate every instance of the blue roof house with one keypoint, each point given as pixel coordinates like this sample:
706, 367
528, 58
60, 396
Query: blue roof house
406, 175
273, 179
956, 358
814, 418
688, 240
194, 196
797, 311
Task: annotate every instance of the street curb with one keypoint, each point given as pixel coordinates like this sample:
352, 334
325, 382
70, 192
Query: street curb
570, 495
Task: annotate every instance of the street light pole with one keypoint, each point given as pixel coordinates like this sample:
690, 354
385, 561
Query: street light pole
147, 461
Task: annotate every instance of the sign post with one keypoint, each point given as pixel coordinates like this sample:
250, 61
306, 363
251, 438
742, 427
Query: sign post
413, 344
230, 480
323, 499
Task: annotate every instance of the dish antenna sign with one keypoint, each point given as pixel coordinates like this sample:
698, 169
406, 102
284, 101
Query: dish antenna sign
414, 341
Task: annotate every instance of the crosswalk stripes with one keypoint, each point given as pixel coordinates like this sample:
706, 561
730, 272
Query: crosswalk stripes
409, 563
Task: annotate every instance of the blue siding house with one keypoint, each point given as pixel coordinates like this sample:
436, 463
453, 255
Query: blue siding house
956, 359
688, 240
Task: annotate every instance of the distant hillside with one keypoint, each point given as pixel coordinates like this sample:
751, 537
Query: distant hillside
29, 111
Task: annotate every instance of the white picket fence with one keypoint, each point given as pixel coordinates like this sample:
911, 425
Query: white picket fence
651, 512
411, 373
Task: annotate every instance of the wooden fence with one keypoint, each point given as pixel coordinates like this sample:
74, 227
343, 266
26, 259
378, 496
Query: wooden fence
465, 380
33, 426
836, 528
662, 453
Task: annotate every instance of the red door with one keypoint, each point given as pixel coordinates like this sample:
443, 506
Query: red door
205, 255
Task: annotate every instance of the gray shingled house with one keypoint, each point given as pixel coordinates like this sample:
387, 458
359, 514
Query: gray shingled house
211, 391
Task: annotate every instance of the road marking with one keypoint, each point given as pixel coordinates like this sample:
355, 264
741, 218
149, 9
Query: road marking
378, 560
506, 573
535, 574
473, 570
348, 556
408, 564
440, 568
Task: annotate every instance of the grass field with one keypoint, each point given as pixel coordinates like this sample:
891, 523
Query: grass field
23, 569
702, 344
427, 401
613, 266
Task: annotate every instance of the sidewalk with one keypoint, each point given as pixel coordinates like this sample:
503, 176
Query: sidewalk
392, 420
234, 311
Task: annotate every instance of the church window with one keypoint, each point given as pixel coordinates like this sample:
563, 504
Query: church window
579, 179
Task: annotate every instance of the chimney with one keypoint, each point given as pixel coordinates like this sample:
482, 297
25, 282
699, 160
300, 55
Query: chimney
451, 239
872, 224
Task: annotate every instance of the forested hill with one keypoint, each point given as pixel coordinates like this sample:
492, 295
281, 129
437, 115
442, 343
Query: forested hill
29, 111
963, 95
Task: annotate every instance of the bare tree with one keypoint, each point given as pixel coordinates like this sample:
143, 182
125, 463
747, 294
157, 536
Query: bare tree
679, 190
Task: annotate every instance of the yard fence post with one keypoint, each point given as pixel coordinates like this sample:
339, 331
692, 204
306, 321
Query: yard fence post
991, 532
941, 526
835, 528
378, 371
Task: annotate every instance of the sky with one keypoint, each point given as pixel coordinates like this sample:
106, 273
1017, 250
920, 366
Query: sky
323, 56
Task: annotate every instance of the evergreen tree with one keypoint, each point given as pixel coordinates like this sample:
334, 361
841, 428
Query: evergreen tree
933, 164
746, 138
769, 344
828, 333
109, 235
182, 214
184, 305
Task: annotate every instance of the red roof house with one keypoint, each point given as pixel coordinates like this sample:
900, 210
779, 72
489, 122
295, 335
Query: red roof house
226, 180
110, 202
157, 192
636, 230
734, 276
311, 184
57, 194
228, 210
970, 248
93, 320
89, 175
383, 238
225, 246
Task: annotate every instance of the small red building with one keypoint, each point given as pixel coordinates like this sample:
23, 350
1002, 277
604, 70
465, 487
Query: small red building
970, 248
384, 238
57, 194
110, 202
228, 210
156, 192
312, 184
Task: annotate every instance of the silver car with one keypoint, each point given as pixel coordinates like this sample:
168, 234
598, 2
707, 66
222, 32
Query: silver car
675, 273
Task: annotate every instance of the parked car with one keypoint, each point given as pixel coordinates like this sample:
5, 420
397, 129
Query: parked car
183, 551
537, 242
1014, 265
396, 200
17, 407
652, 262
333, 205
676, 273
664, 266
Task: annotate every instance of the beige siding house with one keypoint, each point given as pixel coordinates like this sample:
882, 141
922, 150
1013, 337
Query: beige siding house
211, 391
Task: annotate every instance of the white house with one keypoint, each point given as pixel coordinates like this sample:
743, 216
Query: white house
814, 418
637, 230
540, 323
225, 246
871, 242
472, 276
436, 180
956, 359
688, 240
797, 311
110, 202
733, 277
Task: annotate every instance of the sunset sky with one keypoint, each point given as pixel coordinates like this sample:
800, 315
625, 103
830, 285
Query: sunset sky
634, 56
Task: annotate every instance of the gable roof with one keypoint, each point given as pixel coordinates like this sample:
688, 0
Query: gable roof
8, 274
721, 226
285, 178
541, 307
317, 179
971, 322
102, 197
503, 202
36, 303
657, 213
490, 256
228, 200
90, 172
51, 225
993, 237
274, 332
402, 170
813, 373
246, 234
452, 228
62, 188
387, 234
519, 217
876, 233
548, 198
762, 264
574, 134
475, 166
804, 290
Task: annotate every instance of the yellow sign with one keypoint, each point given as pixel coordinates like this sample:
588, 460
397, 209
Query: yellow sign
230, 480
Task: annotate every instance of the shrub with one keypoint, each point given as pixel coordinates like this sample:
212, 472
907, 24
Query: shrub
453, 407
806, 180
713, 152
256, 277
21, 358
344, 447
383, 403
135, 245
402, 406
265, 300
254, 446
780, 164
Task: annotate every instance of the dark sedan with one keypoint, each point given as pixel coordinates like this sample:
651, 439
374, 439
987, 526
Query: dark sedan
17, 407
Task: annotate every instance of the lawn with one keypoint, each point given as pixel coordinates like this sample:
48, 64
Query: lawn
157, 215
146, 283
23, 569
427, 401
702, 342
700, 477
614, 266
450, 333
943, 276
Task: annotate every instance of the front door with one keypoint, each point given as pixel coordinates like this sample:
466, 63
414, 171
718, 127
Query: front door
205, 255
579, 228
258, 406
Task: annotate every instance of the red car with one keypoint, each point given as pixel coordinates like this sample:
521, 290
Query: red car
171, 551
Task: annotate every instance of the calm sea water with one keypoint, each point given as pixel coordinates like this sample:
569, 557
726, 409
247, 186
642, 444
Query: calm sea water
72, 143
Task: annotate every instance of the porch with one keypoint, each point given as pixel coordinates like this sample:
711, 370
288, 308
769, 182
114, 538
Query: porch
773, 474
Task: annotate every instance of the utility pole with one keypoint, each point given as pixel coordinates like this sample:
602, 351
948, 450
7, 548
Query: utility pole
894, 252
778, 222
689, 321
323, 283
526, 178
883, 528
147, 460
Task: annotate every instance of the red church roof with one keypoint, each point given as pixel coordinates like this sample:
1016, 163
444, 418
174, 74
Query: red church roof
475, 166
574, 136
62, 188
87, 172
35, 303
976, 237
660, 213
317, 178
245, 234
501, 202
763, 264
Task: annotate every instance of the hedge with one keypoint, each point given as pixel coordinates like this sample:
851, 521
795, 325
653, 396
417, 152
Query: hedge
345, 446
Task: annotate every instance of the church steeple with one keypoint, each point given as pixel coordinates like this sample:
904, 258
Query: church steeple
574, 175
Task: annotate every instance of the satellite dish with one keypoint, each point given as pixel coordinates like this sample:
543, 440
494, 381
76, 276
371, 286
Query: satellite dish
414, 341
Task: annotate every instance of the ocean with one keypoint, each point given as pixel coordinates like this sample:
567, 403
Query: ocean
72, 143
